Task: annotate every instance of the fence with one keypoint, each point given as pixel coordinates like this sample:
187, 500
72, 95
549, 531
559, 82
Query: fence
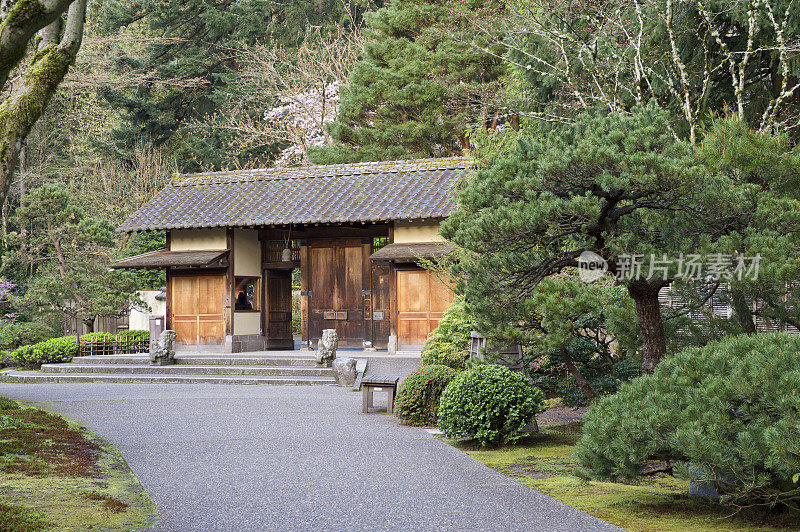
114, 346
107, 324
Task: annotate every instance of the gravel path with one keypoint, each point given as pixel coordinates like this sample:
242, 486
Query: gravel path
295, 458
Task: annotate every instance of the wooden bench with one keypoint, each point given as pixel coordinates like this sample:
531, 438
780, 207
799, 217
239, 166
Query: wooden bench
379, 383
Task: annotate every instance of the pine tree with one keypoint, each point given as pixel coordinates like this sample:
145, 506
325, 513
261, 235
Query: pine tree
618, 185
417, 89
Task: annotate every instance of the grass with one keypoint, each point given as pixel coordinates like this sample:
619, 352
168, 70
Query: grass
56, 475
658, 503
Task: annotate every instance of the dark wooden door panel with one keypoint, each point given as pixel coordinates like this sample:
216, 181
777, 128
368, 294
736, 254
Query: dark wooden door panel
279, 309
381, 321
336, 301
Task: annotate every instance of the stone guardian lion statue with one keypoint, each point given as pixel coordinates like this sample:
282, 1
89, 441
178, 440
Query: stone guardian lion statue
326, 347
163, 352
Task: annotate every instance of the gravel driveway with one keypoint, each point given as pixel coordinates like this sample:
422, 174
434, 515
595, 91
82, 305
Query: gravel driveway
295, 458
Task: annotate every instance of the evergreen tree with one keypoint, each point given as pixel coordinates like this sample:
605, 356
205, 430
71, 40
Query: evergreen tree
192, 51
67, 255
617, 184
417, 89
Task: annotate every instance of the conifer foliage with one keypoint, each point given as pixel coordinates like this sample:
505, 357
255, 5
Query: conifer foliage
416, 90
729, 409
617, 184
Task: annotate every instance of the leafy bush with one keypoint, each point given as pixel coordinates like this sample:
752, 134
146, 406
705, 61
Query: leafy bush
134, 334
97, 343
96, 338
728, 412
490, 404
417, 401
16, 334
448, 344
54, 350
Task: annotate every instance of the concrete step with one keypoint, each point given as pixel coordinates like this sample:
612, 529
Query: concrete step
185, 369
39, 377
201, 360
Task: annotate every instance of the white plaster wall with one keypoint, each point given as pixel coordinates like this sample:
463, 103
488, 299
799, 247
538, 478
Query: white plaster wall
246, 253
246, 323
140, 320
410, 232
198, 239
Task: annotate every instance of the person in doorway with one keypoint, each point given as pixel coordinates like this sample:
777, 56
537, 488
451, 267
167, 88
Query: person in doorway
242, 303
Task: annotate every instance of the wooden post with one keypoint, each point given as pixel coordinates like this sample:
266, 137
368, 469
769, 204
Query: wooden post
366, 290
230, 282
305, 271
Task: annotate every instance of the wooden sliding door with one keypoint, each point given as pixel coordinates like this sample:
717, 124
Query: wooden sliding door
198, 308
421, 301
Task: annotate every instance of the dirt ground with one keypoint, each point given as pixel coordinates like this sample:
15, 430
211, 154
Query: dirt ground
561, 414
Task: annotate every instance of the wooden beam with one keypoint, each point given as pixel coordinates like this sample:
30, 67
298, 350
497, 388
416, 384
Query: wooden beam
231, 292
305, 270
331, 231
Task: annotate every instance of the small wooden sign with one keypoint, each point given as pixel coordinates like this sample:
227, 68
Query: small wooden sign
377, 315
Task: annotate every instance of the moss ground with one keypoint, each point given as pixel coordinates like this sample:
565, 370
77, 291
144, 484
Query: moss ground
55, 475
658, 503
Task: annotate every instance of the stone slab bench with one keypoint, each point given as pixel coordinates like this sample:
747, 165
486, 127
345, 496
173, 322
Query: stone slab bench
378, 383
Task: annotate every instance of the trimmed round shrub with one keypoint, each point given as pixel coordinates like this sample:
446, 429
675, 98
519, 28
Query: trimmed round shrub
50, 351
448, 344
727, 414
417, 401
489, 404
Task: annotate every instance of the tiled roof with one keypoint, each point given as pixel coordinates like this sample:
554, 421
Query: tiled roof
341, 193
164, 258
412, 251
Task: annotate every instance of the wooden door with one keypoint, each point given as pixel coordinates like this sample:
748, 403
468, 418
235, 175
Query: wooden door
336, 301
421, 301
381, 307
279, 309
198, 309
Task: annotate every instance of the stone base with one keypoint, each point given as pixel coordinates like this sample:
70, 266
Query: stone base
241, 343
162, 362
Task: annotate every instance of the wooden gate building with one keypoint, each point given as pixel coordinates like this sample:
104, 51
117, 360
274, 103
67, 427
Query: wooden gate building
355, 232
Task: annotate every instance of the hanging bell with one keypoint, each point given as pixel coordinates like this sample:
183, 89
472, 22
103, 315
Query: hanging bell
286, 255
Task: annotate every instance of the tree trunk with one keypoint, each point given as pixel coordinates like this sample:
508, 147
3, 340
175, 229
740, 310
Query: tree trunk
29, 99
651, 325
19, 22
89, 325
743, 312
582, 383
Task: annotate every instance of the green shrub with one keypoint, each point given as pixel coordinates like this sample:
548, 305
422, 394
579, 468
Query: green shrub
97, 343
134, 334
729, 412
50, 351
489, 404
16, 334
417, 401
96, 338
448, 344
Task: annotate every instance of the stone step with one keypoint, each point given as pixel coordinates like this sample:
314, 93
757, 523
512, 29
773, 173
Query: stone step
38, 377
201, 360
185, 369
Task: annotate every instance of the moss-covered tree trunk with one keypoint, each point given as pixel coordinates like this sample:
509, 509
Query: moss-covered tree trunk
19, 22
30, 97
